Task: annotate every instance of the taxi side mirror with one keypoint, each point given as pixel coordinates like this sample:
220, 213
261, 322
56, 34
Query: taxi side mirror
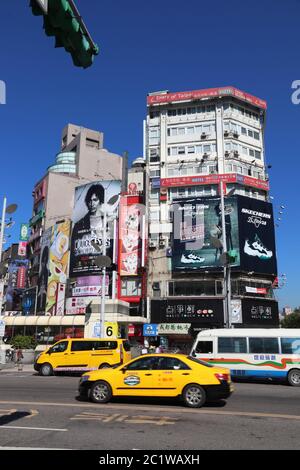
124, 370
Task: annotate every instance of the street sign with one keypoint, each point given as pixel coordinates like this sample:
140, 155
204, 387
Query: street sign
43, 4
150, 329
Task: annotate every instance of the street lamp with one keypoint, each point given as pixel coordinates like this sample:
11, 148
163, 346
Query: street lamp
225, 259
103, 261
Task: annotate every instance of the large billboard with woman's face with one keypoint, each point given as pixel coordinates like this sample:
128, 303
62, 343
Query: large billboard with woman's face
92, 201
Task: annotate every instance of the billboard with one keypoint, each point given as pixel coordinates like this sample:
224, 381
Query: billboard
17, 275
258, 312
91, 200
249, 224
43, 271
58, 266
257, 237
196, 222
90, 286
130, 238
192, 310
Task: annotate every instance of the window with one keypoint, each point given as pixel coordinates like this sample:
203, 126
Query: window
243, 130
181, 131
290, 345
60, 347
256, 135
82, 345
232, 345
257, 154
100, 345
145, 363
204, 347
181, 150
170, 363
263, 345
131, 287
250, 133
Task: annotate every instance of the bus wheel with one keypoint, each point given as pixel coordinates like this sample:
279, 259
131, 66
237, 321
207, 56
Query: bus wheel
46, 369
104, 366
294, 377
194, 396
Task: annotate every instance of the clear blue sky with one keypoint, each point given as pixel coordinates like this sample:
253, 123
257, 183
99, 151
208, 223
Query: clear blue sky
150, 46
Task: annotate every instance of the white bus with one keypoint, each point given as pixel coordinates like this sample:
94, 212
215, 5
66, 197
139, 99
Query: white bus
252, 353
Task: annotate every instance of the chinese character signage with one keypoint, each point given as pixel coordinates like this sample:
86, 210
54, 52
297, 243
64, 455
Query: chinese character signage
260, 312
206, 311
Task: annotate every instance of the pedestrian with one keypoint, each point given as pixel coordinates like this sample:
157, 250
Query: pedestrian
19, 357
158, 349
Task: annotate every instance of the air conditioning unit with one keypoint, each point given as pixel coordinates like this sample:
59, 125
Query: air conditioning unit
152, 244
205, 155
203, 135
227, 153
236, 135
226, 133
236, 153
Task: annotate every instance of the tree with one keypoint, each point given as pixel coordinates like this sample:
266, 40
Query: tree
292, 320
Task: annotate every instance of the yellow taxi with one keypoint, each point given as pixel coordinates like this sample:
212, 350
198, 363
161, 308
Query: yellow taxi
159, 375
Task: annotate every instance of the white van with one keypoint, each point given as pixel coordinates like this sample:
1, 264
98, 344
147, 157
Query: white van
252, 353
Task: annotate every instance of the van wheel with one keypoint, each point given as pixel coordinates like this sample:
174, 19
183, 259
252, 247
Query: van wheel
100, 392
194, 396
104, 366
46, 369
294, 377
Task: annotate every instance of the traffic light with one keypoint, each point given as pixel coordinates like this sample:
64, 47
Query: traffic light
64, 22
231, 256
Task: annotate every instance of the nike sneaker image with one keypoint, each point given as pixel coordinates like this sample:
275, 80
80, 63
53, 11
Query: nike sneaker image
256, 248
191, 258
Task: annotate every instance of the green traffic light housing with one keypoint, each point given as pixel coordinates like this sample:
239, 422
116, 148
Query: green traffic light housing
231, 256
63, 21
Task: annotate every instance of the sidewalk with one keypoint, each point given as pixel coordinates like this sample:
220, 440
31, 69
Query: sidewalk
15, 368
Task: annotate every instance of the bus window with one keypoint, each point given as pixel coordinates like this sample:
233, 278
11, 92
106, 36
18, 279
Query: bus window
204, 347
263, 345
290, 345
232, 345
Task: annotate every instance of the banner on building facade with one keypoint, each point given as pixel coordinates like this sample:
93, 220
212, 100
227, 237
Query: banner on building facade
17, 277
205, 311
256, 235
58, 267
130, 223
91, 200
90, 286
43, 271
197, 222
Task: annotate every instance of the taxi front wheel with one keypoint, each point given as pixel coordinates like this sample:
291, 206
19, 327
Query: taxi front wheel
100, 392
194, 396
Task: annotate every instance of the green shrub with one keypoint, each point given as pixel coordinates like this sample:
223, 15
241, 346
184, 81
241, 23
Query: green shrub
23, 342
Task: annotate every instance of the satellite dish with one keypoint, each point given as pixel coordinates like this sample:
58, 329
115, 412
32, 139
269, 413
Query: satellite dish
216, 242
11, 208
103, 261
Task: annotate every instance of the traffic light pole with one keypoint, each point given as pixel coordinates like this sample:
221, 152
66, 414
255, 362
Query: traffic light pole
227, 269
102, 311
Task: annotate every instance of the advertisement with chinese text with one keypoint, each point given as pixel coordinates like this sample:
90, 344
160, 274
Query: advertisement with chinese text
92, 201
204, 311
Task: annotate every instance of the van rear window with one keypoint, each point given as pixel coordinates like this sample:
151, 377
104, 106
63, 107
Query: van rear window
82, 345
126, 346
105, 345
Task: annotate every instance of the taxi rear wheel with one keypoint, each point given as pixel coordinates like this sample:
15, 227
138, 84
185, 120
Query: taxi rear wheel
100, 392
194, 396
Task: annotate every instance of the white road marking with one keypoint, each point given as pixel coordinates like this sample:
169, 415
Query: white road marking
32, 429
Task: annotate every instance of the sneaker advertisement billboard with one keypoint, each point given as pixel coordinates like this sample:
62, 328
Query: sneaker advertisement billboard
197, 231
197, 234
91, 200
257, 237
